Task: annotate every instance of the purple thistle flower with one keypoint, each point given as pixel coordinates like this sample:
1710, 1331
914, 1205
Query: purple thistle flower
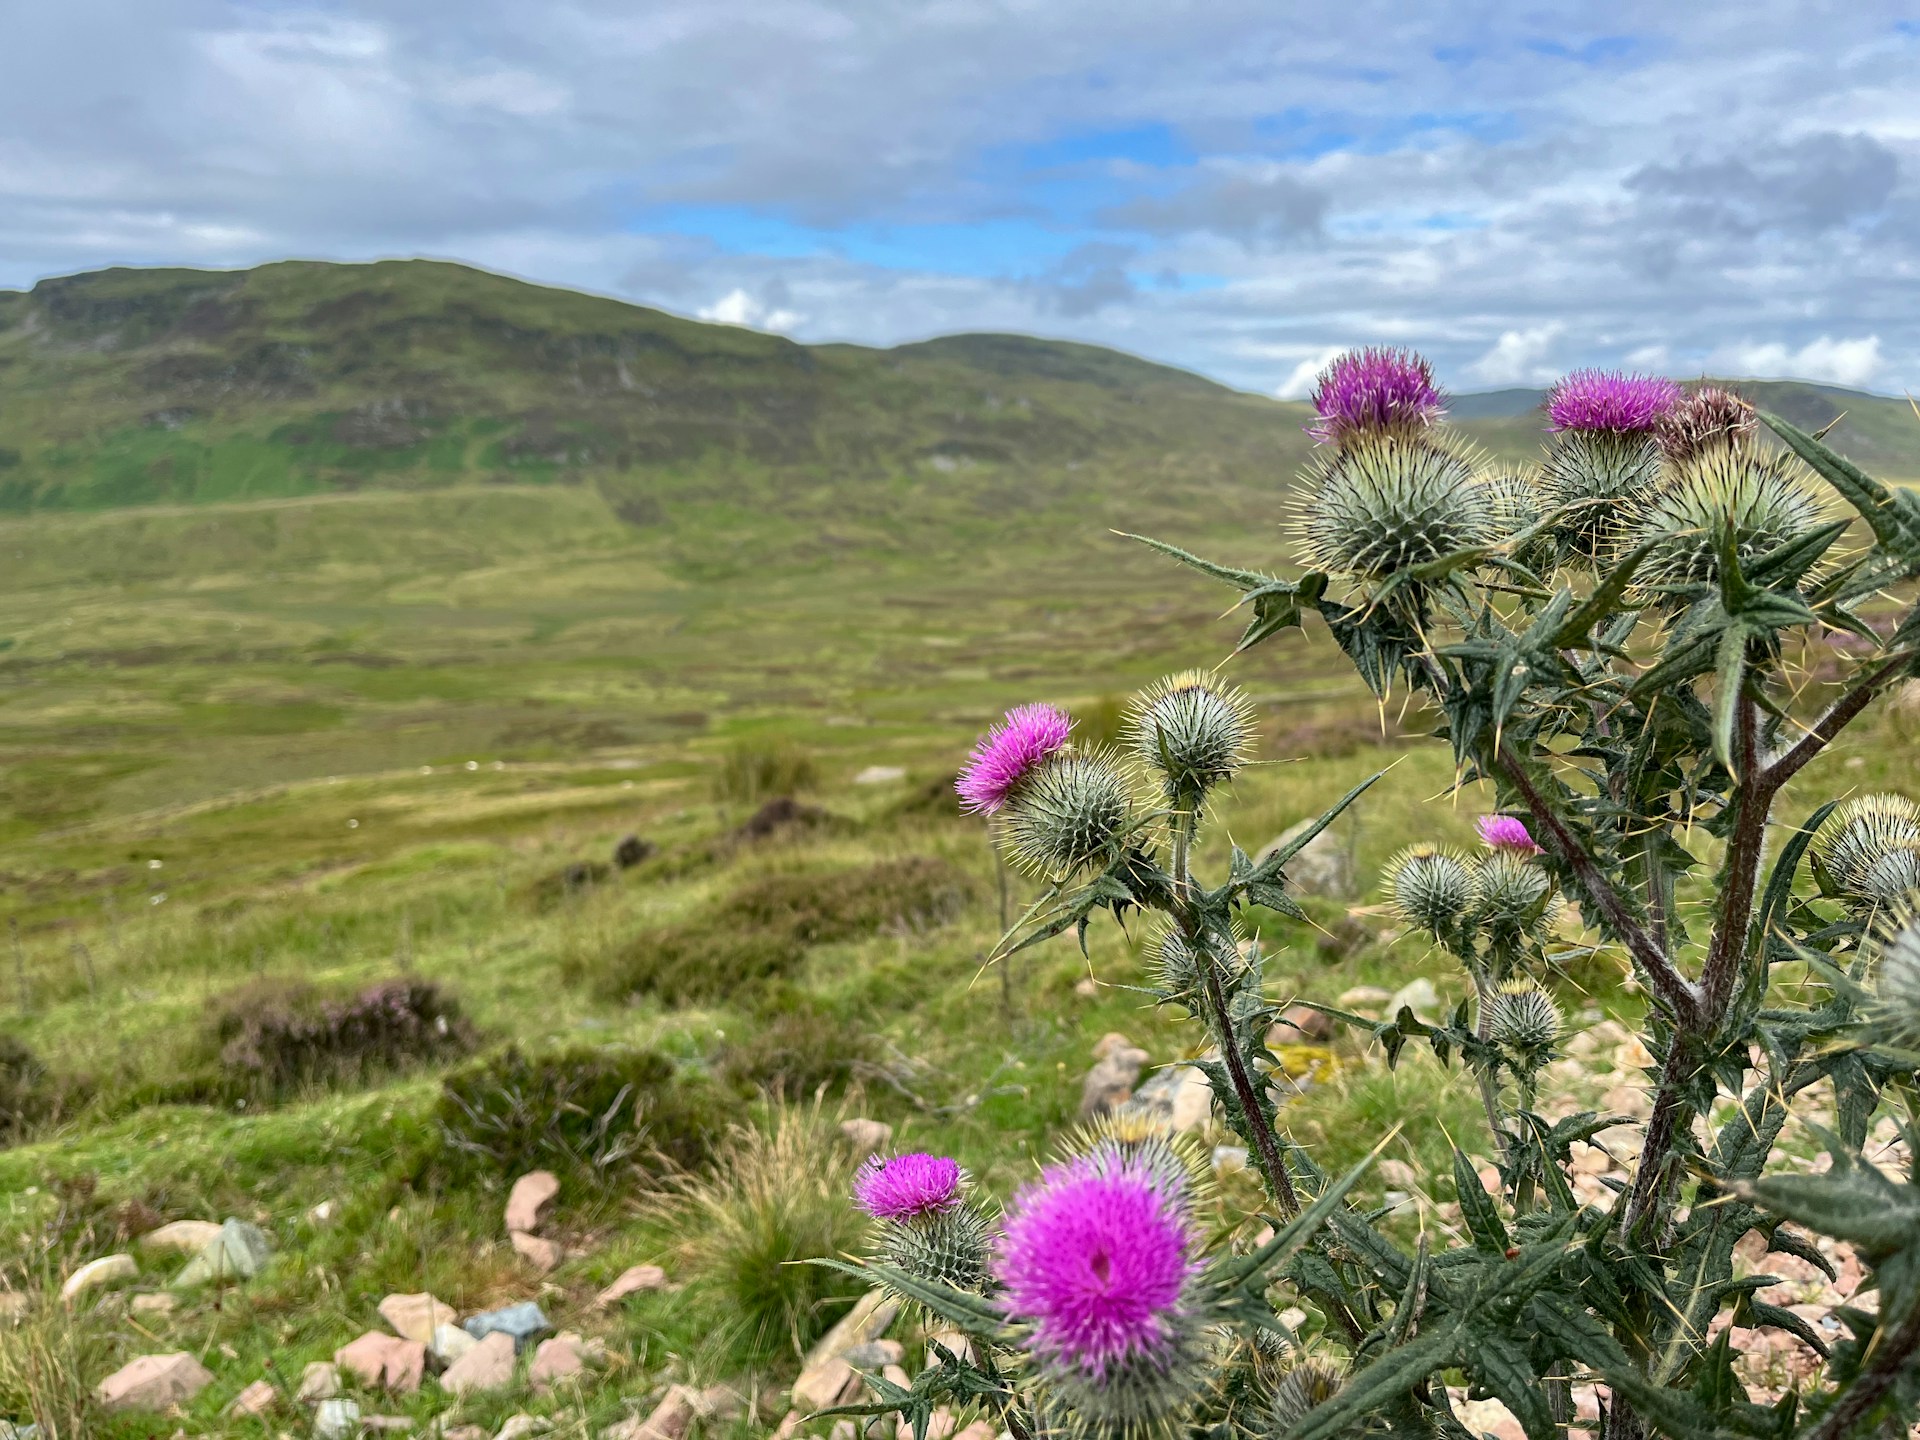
1096, 1255
1366, 391
1503, 832
1008, 753
1610, 401
907, 1187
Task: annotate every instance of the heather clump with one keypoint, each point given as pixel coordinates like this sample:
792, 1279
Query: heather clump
1607, 646
275, 1037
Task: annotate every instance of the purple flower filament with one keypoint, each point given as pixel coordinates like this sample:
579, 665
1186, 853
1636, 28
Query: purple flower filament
1008, 754
907, 1187
1608, 401
1095, 1256
1368, 391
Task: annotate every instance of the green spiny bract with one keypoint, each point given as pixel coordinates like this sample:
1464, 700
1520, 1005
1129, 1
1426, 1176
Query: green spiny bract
1431, 888
1523, 1018
1387, 504
1178, 1159
1072, 812
952, 1246
1176, 968
1896, 978
1869, 850
1517, 504
1142, 1398
1756, 503
1192, 731
1512, 900
1588, 476
1303, 1388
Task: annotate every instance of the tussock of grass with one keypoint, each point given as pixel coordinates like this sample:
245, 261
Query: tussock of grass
755, 770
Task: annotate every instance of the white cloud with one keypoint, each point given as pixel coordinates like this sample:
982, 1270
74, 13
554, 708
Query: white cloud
1520, 357
737, 307
1299, 384
1853, 362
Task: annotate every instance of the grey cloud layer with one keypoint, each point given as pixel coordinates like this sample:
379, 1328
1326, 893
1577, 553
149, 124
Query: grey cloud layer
1516, 191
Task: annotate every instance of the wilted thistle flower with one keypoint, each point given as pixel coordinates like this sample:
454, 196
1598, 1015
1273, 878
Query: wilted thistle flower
1761, 502
1707, 418
1430, 887
1896, 978
1177, 1160
1610, 402
1305, 1386
1069, 812
1523, 1017
928, 1228
1384, 504
1366, 392
1193, 731
1503, 832
1008, 754
1869, 849
1097, 1257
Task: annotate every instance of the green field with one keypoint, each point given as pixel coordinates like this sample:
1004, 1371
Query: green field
279, 703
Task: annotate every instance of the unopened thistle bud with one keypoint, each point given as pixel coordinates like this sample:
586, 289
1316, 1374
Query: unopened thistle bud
1132, 1135
1176, 968
1372, 392
1069, 813
1430, 887
1306, 1386
1193, 731
1510, 894
1098, 1261
1869, 850
1384, 504
1523, 1017
1707, 418
928, 1228
1896, 978
1516, 505
1758, 502
1503, 832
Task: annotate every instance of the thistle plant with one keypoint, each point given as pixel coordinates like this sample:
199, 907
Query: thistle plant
1608, 645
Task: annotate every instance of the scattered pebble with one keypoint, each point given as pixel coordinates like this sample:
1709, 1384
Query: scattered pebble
528, 1200
632, 1281
153, 1382
107, 1270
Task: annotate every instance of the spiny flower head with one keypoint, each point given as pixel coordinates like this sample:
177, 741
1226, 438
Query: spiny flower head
1096, 1257
1503, 832
1069, 813
1758, 502
1384, 504
1365, 392
1009, 753
1608, 400
1707, 418
1587, 476
1300, 1390
1516, 505
1896, 979
1194, 730
1145, 1137
1430, 887
1522, 1016
1869, 849
907, 1187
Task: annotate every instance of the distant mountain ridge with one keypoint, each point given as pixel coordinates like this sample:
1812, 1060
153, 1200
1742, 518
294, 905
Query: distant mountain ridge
130, 387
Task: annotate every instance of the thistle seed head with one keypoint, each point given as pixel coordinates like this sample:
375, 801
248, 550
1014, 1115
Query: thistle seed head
1372, 392
1595, 472
1301, 1389
1707, 418
1760, 502
1193, 731
1523, 1017
1869, 850
1384, 504
1069, 813
1431, 888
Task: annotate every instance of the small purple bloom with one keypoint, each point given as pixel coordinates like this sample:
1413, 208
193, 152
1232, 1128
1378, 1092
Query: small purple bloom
1610, 401
1503, 832
907, 1187
1008, 753
1095, 1255
1365, 391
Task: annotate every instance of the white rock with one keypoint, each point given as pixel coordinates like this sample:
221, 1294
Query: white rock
319, 1381
448, 1343
107, 1270
336, 1420
189, 1237
1418, 996
880, 775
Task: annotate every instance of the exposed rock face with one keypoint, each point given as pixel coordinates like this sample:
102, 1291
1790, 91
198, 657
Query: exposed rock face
527, 1202
1109, 1085
1323, 867
153, 1382
416, 1317
632, 1281
488, 1366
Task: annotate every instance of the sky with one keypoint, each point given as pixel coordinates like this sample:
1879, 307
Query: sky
1242, 187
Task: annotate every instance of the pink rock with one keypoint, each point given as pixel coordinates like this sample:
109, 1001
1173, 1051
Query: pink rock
487, 1366
416, 1317
540, 1253
153, 1382
384, 1362
672, 1417
257, 1399
528, 1200
632, 1281
554, 1360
